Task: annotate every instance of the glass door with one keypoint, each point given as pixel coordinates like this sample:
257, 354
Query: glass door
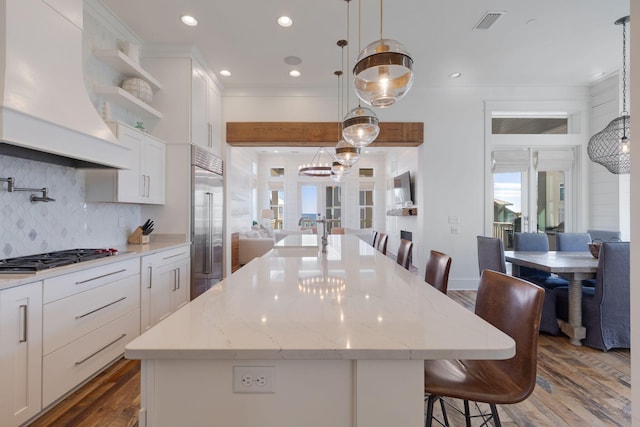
320, 200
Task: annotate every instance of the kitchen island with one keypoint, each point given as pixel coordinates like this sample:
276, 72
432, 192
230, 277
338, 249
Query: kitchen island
299, 338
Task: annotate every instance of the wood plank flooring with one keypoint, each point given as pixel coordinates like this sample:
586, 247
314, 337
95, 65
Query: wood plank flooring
577, 386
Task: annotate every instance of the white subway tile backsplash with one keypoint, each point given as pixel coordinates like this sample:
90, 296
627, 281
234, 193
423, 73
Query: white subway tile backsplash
69, 222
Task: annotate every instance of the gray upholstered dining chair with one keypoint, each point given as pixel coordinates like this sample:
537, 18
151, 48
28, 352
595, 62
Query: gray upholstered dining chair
605, 308
491, 254
604, 235
513, 306
573, 242
538, 242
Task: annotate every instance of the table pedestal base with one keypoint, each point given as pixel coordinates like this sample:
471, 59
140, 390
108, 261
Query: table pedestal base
576, 333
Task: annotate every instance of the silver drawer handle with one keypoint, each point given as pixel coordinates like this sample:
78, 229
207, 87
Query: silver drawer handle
103, 348
173, 256
23, 310
100, 277
80, 316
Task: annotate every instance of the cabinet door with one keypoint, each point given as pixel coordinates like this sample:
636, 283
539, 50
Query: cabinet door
130, 182
199, 120
21, 353
215, 121
162, 288
153, 170
181, 289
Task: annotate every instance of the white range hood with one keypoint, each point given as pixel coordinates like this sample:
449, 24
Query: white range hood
45, 110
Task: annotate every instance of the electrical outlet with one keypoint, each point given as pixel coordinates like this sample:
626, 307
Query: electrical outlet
254, 379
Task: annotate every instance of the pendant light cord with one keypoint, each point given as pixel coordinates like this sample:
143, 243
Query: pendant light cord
380, 19
624, 68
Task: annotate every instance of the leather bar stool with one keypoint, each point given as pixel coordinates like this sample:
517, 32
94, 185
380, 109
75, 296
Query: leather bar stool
381, 244
404, 253
437, 271
514, 306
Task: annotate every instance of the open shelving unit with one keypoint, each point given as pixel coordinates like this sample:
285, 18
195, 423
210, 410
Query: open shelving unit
122, 97
413, 211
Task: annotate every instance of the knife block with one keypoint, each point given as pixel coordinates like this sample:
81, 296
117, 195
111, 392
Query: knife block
137, 238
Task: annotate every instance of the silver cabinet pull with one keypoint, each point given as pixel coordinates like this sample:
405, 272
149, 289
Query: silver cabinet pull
100, 277
24, 310
175, 280
173, 256
178, 276
150, 276
148, 185
80, 316
98, 351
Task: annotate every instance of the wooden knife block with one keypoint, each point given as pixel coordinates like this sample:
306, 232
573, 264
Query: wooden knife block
137, 238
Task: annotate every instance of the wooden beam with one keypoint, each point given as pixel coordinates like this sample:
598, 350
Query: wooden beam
317, 134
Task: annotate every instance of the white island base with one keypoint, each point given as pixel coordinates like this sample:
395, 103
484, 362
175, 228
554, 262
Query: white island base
309, 393
345, 333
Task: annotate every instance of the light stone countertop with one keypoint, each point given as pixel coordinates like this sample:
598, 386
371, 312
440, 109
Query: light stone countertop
124, 252
352, 303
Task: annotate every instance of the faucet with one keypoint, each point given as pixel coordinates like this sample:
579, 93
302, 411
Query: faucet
325, 230
11, 187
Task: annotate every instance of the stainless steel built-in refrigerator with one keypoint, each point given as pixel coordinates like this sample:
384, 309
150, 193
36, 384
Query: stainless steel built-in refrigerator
207, 222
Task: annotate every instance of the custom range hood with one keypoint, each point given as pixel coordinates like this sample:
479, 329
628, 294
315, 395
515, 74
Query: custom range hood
45, 110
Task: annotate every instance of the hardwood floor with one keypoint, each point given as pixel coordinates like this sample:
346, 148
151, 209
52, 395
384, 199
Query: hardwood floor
577, 386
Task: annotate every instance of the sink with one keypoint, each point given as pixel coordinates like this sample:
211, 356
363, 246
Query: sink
284, 252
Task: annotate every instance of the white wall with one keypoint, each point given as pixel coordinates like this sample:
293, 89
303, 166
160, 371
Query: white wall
450, 167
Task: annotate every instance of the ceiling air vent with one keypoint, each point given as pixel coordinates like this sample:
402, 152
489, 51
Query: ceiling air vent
488, 20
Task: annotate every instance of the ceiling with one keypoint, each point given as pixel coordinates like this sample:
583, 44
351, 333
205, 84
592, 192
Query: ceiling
541, 42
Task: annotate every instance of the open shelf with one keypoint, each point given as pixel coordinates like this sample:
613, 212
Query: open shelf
122, 97
125, 65
413, 211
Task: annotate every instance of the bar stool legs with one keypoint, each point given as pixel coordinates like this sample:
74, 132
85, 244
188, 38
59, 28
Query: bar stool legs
486, 417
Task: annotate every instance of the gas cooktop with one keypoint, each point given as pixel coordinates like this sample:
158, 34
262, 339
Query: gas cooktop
38, 262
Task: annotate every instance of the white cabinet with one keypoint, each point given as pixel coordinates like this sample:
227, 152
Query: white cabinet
144, 182
190, 100
20, 353
88, 317
165, 284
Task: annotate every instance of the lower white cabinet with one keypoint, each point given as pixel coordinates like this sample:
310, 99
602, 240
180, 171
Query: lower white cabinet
165, 284
20, 353
88, 318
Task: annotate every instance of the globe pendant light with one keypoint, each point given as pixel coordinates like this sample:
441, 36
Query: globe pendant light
383, 73
611, 147
360, 127
346, 153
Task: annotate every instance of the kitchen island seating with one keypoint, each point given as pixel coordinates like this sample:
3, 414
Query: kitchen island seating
381, 244
491, 254
574, 242
437, 271
513, 306
403, 257
605, 308
374, 238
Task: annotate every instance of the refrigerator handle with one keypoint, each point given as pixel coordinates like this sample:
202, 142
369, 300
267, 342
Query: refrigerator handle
208, 240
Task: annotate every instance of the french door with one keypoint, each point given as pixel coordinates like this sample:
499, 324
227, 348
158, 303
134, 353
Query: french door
324, 199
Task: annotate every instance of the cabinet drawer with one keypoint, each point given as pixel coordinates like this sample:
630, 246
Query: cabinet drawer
72, 283
70, 365
70, 318
170, 255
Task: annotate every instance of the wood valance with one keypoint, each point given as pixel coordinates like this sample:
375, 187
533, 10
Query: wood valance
317, 134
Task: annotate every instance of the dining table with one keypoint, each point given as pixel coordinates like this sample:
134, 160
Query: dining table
572, 266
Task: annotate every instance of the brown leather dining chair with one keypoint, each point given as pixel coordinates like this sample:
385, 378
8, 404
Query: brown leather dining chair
404, 253
374, 238
514, 306
381, 243
437, 271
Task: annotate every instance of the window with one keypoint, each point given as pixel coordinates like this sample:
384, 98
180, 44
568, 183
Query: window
366, 208
312, 204
276, 202
333, 206
366, 173
277, 172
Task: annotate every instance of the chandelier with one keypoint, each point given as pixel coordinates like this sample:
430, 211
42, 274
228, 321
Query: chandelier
383, 72
611, 146
320, 165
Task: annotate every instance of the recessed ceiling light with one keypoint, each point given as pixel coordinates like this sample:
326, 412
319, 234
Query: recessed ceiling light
455, 75
598, 75
189, 20
285, 21
225, 73
294, 73
275, 151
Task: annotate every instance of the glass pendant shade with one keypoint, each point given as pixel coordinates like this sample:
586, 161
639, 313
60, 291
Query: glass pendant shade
346, 153
611, 147
335, 177
383, 73
340, 169
360, 127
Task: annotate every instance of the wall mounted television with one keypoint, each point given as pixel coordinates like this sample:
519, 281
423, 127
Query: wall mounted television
402, 195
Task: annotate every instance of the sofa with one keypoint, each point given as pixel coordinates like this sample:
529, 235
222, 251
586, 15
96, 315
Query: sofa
257, 242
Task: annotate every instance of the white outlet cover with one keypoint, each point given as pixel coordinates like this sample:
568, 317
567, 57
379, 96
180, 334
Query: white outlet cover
254, 379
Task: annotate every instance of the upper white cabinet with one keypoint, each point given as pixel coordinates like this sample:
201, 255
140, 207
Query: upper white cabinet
21, 349
144, 182
129, 68
189, 100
